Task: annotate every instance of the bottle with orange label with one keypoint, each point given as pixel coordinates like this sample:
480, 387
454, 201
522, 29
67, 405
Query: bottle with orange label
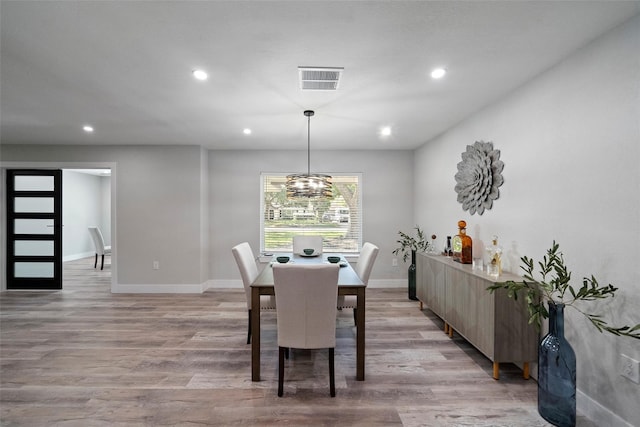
462, 245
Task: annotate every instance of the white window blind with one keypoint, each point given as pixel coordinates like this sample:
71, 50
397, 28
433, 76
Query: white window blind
338, 220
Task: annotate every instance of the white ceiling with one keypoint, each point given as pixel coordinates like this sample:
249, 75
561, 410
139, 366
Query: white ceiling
125, 67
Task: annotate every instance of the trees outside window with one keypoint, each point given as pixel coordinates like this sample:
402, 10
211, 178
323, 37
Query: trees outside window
337, 220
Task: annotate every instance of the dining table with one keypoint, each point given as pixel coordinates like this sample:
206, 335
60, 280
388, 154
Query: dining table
349, 283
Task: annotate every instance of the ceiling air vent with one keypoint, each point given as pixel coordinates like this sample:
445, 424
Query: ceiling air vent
320, 78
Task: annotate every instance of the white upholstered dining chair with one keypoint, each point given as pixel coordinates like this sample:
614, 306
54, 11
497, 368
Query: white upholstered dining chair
363, 268
306, 314
98, 243
249, 271
307, 242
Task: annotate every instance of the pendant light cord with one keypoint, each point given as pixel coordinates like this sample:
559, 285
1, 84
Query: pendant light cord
308, 145
309, 113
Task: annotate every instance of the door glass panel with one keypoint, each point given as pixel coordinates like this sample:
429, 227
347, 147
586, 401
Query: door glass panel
33, 226
33, 204
33, 247
33, 183
34, 269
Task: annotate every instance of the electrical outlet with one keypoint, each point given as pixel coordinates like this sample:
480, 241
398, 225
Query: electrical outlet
394, 262
156, 265
630, 368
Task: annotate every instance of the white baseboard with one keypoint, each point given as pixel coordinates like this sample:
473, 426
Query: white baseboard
597, 413
196, 288
237, 283
388, 283
74, 257
220, 284
224, 284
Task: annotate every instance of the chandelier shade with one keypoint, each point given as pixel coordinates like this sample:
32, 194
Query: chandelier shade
309, 185
316, 186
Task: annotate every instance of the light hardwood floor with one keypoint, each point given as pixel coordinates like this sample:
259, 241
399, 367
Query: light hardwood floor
86, 357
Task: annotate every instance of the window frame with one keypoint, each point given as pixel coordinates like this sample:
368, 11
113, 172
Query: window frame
358, 228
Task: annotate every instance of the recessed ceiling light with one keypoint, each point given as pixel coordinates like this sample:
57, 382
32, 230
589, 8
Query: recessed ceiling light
247, 131
385, 131
87, 128
438, 73
200, 75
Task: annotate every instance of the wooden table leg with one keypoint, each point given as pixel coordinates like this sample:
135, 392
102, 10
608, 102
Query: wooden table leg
421, 306
446, 328
525, 370
360, 332
255, 334
496, 370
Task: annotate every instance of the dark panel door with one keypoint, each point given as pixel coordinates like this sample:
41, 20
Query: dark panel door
34, 229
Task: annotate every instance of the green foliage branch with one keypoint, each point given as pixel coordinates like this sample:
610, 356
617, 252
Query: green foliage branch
409, 243
555, 287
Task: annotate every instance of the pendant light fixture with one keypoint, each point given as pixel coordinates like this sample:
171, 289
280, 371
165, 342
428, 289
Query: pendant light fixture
309, 185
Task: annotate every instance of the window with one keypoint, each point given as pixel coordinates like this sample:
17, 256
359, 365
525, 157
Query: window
337, 220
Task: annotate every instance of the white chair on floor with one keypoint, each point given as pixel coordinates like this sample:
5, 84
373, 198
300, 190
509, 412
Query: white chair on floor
300, 243
249, 271
306, 314
363, 268
101, 249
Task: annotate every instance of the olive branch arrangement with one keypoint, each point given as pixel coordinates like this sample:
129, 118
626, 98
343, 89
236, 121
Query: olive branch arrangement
558, 290
409, 243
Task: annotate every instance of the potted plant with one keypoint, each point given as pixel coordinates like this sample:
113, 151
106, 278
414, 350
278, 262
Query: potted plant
556, 358
409, 245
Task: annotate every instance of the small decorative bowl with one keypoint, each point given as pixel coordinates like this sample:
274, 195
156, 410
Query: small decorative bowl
308, 251
333, 259
282, 259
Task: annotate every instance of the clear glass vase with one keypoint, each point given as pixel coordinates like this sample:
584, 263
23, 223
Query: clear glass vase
557, 373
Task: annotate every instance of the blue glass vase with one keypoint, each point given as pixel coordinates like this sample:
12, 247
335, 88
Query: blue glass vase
557, 373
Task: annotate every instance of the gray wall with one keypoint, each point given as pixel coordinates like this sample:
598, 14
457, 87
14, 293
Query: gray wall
105, 217
570, 141
158, 210
235, 201
186, 207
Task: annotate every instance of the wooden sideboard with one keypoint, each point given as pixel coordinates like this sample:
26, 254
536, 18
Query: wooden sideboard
492, 322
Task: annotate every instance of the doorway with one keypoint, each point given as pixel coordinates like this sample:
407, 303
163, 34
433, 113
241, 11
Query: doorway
108, 222
86, 203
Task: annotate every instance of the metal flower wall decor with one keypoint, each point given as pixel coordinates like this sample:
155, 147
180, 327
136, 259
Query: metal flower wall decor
478, 177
